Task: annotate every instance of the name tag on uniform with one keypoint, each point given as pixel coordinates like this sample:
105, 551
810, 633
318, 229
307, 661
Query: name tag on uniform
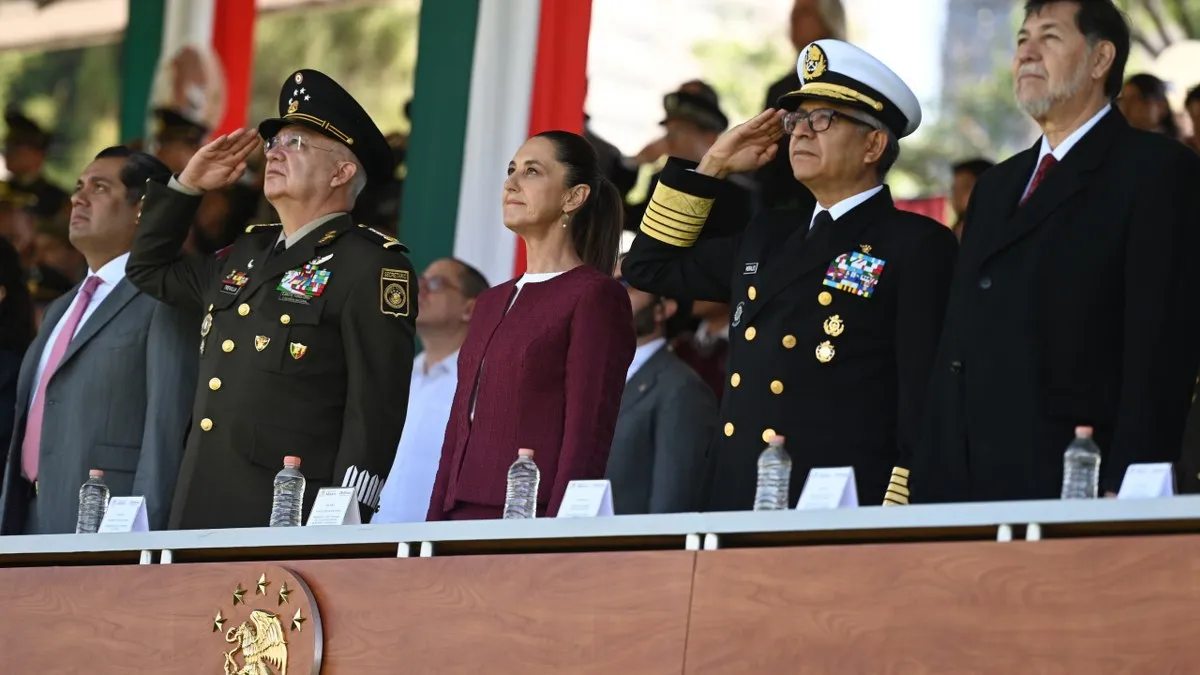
751, 268
233, 282
856, 273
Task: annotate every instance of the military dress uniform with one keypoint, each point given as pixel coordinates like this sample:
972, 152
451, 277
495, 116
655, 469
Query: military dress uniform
305, 350
833, 327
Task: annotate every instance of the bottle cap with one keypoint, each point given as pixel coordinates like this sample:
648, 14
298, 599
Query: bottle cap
95, 473
525, 452
291, 462
1083, 432
777, 440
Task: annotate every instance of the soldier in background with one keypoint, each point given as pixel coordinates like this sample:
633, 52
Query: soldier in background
25, 148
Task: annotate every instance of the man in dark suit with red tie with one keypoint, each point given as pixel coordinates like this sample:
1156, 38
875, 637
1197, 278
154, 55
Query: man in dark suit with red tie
1074, 301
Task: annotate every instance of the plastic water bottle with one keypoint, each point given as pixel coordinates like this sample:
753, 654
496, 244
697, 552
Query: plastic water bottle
523, 477
289, 494
93, 503
1081, 466
774, 477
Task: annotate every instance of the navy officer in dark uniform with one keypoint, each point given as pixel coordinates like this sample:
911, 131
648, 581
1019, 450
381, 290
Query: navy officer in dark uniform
836, 305
306, 325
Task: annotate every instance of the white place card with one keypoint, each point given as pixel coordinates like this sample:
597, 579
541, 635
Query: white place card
125, 514
1148, 481
586, 499
335, 506
829, 488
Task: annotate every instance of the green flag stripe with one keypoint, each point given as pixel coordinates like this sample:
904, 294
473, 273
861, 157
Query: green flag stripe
139, 59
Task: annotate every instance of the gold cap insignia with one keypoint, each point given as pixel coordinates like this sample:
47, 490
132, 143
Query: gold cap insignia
393, 292
815, 62
260, 641
299, 78
293, 106
834, 326
297, 350
826, 352
261, 342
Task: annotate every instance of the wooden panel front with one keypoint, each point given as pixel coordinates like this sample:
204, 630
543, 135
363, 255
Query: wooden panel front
556, 613
1124, 605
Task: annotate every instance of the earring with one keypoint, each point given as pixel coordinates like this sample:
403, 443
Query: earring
566, 217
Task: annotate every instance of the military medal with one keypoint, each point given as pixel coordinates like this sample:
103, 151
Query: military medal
297, 350
305, 283
261, 342
234, 281
206, 325
825, 352
737, 314
855, 273
834, 326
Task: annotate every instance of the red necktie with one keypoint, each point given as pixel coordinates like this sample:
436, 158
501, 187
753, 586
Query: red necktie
1044, 166
32, 444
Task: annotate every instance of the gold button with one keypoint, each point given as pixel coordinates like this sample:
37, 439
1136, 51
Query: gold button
825, 298
227, 346
768, 434
776, 387
751, 332
735, 380
789, 341
206, 424
214, 383
729, 428
752, 292
285, 319
243, 309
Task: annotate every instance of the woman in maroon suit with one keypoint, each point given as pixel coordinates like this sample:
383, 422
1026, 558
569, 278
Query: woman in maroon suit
544, 362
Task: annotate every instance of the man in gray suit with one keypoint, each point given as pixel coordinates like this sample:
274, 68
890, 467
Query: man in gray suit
668, 418
108, 382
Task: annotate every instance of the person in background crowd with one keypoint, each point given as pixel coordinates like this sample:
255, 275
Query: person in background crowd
811, 20
16, 332
25, 148
667, 420
447, 293
693, 122
1143, 102
306, 346
176, 138
837, 306
965, 174
1192, 106
108, 381
543, 363
40, 253
707, 347
1074, 298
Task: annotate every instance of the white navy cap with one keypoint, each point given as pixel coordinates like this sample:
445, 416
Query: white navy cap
839, 72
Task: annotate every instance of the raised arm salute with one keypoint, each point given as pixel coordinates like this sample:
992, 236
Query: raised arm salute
306, 344
836, 305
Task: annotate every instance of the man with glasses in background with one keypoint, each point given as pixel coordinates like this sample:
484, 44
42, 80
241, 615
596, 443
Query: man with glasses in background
837, 306
447, 295
306, 342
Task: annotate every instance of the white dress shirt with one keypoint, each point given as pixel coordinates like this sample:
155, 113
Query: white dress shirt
642, 354
110, 275
1063, 148
405, 495
843, 207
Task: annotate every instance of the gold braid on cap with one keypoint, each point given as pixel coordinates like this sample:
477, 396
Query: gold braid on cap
839, 92
323, 124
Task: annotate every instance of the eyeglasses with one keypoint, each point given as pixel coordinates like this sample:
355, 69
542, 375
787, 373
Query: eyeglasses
433, 284
818, 120
292, 142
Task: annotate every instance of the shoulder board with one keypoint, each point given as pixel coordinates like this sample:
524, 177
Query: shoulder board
385, 240
262, 227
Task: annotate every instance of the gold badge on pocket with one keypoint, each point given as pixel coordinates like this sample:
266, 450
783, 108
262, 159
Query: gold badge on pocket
834, 326
825, 352
297, 350
261, 342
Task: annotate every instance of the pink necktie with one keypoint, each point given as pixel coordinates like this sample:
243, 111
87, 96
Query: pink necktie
1044, 166
31, 446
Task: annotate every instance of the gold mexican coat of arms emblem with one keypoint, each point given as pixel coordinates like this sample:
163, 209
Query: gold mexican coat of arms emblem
281, 627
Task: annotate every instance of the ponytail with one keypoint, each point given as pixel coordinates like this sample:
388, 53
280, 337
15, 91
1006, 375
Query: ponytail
596, 225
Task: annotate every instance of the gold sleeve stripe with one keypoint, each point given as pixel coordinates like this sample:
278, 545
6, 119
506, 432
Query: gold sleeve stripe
671, 233
899, 471
669, 216
672, 226
671, 213
898, 489
687, 206
666, 238
895, 498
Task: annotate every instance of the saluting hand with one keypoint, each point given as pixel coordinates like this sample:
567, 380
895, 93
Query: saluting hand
745, 147
221, 162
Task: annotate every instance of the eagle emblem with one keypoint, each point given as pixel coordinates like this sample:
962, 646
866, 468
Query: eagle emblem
815, 62
261, 643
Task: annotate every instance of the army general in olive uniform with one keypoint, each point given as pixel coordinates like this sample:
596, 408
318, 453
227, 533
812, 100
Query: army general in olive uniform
306, 326
837, 305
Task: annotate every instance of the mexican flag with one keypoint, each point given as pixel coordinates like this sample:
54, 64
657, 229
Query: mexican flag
490, 73
191, 55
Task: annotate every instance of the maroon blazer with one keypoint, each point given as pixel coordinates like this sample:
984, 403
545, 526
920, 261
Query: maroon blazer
551, 372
